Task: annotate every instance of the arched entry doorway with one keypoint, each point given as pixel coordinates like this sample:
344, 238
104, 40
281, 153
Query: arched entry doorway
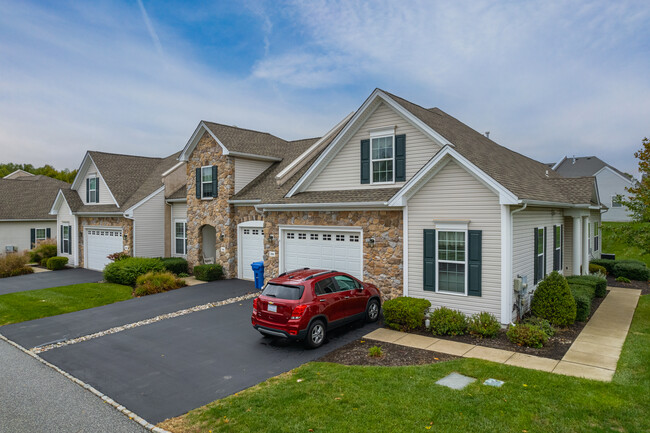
208, 244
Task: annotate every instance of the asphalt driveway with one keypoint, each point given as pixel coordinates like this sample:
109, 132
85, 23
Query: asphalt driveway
167, 368
45, 280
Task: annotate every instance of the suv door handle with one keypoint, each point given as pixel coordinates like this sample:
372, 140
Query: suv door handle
322, 300
347, 297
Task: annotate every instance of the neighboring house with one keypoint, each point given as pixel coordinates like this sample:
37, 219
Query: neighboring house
18, 173
611, 182
116, 203
24, 210
407, 198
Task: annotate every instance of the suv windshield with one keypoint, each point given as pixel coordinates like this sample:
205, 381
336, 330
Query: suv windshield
283, 292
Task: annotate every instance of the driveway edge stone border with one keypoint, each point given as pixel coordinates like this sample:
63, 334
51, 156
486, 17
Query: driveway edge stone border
132, 416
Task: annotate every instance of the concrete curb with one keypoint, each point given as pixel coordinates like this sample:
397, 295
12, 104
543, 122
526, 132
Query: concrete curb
132, 416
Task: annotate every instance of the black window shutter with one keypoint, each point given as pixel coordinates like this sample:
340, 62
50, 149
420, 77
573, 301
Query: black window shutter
62, 241
88, 190
429, 270
215, 181
555, 251
198, 182
545, 251
400, 158
96, 190
474, 262
48, 233
561, 247
32, 233
535, 261
365, 161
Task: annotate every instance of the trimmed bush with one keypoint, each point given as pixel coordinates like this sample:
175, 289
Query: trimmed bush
176, 265
44, 250
157, 282
623, 280
126, 271
527, 335
44, 261
542, 324
598, 283
208, 272
633, 271
583, 296
597, 269
445, 321
631, 262
14, 264
56, 263
483, 325
183, 275
116, 257
608, 264
405, 313
553, 301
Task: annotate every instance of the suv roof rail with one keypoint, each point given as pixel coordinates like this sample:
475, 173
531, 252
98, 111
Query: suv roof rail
319, 274
291, 272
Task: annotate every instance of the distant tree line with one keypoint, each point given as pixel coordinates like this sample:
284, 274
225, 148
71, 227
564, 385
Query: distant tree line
47, 170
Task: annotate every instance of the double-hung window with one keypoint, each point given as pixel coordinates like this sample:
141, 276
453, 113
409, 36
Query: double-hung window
557, 248
616, 202
596, 237
382, 159
452, 261
65, 239
180, 235
92, 189
206, 182
540, 254
41, 235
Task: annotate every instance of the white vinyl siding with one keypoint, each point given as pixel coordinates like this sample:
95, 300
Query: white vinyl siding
104, 193
567, 251
455, 195
18, 234
246, 170
344, 171
609, 185
179, 211
149, 226
65, 217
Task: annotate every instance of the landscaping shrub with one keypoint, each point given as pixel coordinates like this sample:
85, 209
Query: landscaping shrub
44, 250
208, 272
623, 280
542, 324
405, 313
484, 325
631, 262
183, 275
553, 301
56, 263
527, 335
597, 269
126, 271
375, 352
583, 295
116, 257
608, 264
157, 282
445, 321
598, 283
176, 265
44, 261
14, 264
633, 271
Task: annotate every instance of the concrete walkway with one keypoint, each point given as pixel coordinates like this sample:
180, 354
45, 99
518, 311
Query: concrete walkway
593, 355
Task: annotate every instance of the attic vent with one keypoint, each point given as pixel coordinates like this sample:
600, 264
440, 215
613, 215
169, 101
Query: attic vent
487, 134
546, 173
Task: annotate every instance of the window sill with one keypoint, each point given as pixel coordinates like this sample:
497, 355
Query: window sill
383, 183
207, 198
442, 292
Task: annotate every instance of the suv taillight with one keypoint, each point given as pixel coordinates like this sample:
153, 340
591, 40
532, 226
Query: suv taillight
296, 314
255, 305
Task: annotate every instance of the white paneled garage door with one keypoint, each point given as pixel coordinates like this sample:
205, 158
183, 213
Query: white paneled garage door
99, 244
322, 249
251, 249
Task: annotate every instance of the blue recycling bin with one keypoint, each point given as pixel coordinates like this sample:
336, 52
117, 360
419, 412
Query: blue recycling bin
258, 270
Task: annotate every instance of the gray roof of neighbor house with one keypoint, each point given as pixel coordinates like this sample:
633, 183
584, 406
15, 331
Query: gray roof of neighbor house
28, 197
584, 166
130, 179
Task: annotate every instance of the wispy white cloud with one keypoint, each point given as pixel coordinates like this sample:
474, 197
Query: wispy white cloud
150, 28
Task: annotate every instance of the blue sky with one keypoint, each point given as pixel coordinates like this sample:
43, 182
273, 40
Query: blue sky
546, 78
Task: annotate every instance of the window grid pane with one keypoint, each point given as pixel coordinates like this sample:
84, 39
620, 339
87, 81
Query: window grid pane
452, 277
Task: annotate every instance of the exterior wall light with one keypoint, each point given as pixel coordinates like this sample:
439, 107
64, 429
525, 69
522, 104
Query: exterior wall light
371, 241
221, 237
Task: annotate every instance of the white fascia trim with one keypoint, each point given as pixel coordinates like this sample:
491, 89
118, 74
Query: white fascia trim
554, 204
627, 180
338, 206
78, 177
129, 212
255, 156
194, 139
597, 192
178, 164
557, 164
54, 210
84, 170
244, 202
99, 213
26, 220
16, 171
311, 149
315, 168
254, 223
428, 171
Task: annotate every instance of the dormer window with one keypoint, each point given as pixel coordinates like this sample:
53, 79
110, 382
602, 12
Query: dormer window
382, 156
93, 193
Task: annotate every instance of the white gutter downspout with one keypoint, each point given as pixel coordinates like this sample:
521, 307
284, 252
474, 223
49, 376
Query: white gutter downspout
510, 258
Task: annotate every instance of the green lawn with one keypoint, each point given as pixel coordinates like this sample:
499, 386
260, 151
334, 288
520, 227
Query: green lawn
622, 250
34, 304
322, 397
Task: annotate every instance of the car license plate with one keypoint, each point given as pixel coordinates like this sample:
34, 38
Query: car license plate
273, 308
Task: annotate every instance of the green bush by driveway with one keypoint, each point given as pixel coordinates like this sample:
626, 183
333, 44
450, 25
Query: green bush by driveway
126, 271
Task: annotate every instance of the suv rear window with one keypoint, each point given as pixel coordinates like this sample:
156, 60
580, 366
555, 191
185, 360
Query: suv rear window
282, 291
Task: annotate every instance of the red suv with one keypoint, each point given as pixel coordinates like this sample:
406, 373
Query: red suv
304, 304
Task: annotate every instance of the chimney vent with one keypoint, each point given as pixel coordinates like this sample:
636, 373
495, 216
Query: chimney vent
487, 134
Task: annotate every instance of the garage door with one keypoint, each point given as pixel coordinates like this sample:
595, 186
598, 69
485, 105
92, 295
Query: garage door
324, 249
100, 243
252, 250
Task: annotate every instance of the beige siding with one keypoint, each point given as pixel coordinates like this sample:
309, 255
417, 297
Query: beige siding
179, 211
65, 217
343, 172
149, 226
454, 194
104, 192
568, 245
18, 233
246, 170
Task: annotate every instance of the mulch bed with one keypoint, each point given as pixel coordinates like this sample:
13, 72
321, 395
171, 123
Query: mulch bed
644, 286
393, 355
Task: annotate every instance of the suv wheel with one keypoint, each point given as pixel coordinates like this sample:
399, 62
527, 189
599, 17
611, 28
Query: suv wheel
372, 311
315, 334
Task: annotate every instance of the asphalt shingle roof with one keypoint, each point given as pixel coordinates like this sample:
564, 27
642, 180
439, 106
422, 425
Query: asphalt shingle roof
584, 166
248, 141
28, 197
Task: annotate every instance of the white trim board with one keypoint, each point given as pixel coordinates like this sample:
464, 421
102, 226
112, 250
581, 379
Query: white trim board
83, 169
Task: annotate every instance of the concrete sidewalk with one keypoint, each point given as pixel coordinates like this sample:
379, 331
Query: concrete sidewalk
593, 355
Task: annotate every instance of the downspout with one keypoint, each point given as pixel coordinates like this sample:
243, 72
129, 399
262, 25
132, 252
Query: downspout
512, 249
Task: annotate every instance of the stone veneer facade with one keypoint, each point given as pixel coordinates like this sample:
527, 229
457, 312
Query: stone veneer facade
125, 223
382, 262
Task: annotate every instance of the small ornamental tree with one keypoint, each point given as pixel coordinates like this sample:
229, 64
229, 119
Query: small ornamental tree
553, 301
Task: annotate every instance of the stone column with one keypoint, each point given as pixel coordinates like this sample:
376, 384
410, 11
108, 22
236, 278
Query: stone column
585, 245
577, 244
